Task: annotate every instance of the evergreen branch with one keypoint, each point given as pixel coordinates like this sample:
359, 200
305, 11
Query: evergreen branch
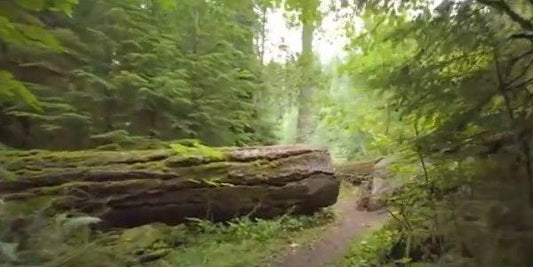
45, 65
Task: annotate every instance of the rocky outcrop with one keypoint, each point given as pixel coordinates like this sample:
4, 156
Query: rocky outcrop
131, 188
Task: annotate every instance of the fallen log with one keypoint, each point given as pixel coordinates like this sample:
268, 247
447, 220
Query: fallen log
131, 188
356, 172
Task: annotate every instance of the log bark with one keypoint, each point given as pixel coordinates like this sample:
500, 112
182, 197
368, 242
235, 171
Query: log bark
133, 188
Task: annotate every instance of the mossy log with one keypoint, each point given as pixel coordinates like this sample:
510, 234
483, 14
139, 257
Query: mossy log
133, 188
356, 172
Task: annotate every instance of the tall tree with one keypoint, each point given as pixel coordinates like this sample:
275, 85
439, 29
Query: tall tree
309, 17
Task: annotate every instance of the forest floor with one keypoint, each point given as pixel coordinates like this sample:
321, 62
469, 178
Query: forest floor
332, 244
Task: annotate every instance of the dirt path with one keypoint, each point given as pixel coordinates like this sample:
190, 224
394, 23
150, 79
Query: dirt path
335, 240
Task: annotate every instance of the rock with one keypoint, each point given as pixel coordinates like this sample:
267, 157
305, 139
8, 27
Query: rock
384, 183
374, 179
131, 188
363, 199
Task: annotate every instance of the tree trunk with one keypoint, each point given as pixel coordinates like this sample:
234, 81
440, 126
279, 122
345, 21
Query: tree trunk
262, 41
132, 188
305, 116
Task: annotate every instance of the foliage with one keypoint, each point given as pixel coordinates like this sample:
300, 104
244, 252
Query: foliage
281, 95
13, 89
453, 78
69, 241
149, 68
19, 27
364, 125
121, 139
246, 242
373, 250
444, 89
55, 242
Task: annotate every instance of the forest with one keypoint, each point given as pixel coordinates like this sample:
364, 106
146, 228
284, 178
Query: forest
266, 133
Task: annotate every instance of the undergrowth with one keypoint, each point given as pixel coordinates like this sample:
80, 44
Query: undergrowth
374, 249
246, 242
63, 241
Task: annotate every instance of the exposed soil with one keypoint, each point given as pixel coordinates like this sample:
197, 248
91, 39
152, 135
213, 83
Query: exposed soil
336, 239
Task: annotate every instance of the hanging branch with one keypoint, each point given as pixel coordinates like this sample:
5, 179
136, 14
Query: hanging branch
500, 5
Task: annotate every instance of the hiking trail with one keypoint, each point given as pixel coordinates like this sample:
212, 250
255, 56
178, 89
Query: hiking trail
334, 241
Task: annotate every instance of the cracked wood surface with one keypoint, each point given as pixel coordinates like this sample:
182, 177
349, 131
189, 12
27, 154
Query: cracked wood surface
130, 188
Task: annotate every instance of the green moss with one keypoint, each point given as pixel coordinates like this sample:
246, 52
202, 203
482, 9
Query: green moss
25, 207
7, 175
191, 149
187, 142
22, 163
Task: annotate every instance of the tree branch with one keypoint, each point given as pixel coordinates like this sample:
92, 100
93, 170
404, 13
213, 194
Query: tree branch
512, 63
500, 5
522, 35
522, 73
526, 82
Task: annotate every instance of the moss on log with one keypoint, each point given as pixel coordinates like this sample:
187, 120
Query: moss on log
131, 188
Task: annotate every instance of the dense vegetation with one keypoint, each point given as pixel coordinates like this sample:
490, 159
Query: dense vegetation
443, 88
454, 87
80, 75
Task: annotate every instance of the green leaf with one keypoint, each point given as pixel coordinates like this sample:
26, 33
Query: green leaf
33, 5
41, 35
10, 88
9, 33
